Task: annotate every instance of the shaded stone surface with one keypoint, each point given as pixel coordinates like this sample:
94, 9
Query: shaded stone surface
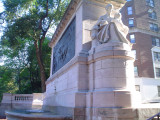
64, 50
24, 115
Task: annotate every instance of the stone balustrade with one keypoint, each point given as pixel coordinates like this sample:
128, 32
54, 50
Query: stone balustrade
24, 98
15, 98
21, 101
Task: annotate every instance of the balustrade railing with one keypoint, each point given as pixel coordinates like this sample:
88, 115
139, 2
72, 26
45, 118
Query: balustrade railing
155, 117
23, 98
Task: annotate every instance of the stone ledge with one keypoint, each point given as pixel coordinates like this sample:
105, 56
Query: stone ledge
69, 65
22, 116
123, 54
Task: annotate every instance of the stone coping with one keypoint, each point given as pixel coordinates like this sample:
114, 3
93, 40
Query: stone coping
147, 105
65, 19
144, 31
69, 65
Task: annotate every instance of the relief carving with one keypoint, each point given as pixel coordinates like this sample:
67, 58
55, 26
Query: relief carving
64, 50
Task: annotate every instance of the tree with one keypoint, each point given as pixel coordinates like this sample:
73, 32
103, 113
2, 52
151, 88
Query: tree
6, 81
30, 21
20, 73
21, 63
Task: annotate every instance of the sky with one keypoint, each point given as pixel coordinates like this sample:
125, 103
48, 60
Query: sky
1, 10
1, 6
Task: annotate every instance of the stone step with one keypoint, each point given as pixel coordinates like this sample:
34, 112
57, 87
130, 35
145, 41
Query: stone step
12, 115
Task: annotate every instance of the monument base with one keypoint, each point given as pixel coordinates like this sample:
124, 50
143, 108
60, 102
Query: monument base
115, 113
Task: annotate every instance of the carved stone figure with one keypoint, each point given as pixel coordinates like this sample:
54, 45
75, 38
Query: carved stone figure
109, 28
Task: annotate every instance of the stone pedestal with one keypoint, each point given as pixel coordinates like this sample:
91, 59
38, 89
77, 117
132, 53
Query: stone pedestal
6, 103
7, 98
111, 80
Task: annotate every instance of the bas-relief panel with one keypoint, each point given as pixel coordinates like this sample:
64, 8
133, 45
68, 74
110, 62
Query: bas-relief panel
64, 50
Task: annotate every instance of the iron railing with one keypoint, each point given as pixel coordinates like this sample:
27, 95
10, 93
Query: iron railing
155, 117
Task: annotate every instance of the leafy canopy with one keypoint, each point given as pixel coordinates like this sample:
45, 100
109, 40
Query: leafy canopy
29, 26
31, 19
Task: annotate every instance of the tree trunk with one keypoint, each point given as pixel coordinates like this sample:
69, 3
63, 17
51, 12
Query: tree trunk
41, 66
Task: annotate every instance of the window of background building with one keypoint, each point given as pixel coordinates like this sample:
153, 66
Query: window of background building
155, 41
132, 38
158, 88
129, 10
152, 15
150, 3
153, 27
158, 72
131, 22
134, 52
137, 87
135, 71
156, 56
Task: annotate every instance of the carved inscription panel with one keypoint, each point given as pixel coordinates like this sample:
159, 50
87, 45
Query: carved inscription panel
64, 50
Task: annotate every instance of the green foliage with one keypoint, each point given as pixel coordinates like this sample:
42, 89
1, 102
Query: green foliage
20, 74
26, 32
6, 82
28, 18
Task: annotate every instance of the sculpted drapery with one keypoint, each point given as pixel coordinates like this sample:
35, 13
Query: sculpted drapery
101, 31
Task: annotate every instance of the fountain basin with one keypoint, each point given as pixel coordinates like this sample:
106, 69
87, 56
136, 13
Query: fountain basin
34, 115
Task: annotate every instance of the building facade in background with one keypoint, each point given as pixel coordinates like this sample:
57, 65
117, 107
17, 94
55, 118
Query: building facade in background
143, 19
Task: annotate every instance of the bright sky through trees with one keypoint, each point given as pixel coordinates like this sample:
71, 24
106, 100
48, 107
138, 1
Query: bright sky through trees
1, 6
1, 10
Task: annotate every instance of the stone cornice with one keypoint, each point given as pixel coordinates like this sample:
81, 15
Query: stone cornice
65, 19
149, 32
116, 3
71, 10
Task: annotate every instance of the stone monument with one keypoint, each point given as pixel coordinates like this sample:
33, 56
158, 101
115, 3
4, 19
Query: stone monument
92, 73
109, 28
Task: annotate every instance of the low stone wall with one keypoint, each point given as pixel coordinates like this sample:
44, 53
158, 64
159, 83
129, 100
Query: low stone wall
4, 107
21, 101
